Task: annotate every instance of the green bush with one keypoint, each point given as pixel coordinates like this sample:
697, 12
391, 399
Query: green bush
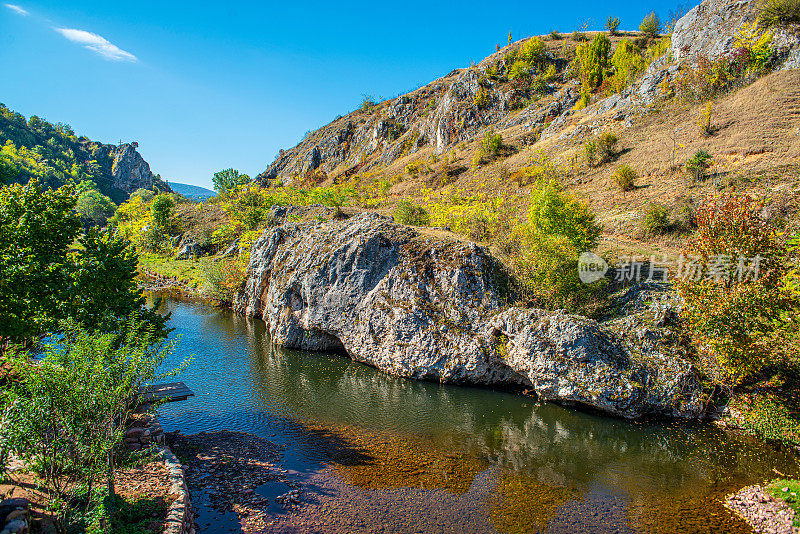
492, 143
555, 36
481, 99
559, 228
69, 412
628, 63
698, 164
740, 322
579, 37
406, 212
625, 178
161, 209
592, 62
651, 25
554, 213
224, 278
776, 12
656, 219
601, 149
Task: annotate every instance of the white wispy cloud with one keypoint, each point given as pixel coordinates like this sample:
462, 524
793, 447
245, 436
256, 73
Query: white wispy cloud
97, 44
17, 9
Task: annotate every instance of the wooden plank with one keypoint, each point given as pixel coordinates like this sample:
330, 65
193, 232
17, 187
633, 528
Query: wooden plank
168, 392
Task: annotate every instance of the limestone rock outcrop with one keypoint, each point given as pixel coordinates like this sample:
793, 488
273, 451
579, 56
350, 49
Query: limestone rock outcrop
435, 309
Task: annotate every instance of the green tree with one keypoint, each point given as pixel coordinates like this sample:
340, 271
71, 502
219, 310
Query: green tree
104, 289
8, 171
554, 213
612, 24
36, 229
161, 208
593, 61
651, 25
95, 206
68, 414
228, 180
43, 283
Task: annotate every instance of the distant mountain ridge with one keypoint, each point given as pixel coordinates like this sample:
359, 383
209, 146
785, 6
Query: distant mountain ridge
53, 154
193, 192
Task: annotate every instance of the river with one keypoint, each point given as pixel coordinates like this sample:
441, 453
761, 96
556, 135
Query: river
382, 454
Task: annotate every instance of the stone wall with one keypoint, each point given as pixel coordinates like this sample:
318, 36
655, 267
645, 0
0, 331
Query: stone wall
15, 516
146, 432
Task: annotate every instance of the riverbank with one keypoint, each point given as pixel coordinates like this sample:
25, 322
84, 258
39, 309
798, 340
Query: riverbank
765, 513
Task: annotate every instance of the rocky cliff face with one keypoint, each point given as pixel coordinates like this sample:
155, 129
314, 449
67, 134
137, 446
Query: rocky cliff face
129, 170
433, 309
446, 111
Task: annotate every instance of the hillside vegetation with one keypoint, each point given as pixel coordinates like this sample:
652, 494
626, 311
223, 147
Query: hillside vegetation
54, 155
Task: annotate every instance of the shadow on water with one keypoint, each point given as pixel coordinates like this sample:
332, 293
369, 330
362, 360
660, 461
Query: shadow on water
541, 467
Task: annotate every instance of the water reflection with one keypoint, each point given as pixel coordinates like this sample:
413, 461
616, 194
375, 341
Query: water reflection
551, 469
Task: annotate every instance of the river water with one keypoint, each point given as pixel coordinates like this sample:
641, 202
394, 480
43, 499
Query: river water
382, 454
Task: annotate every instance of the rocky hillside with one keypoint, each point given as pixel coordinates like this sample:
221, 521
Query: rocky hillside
458, 108
53, 154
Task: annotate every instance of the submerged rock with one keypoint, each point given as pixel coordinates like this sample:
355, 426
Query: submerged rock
432, 308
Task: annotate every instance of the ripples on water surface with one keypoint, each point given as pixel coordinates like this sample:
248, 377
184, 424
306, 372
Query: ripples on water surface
378, 453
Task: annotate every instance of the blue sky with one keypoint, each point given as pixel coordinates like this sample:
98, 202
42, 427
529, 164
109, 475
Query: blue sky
206, 86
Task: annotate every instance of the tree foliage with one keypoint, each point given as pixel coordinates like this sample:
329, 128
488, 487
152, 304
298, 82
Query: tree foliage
37, 228
68, 413
229, 180
43, 282
592, 62
741, 322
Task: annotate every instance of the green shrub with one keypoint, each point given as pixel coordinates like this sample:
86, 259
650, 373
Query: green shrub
704, 121
592, 62
656, 219
481, 98
607, 146
70, 412
739, 317
559, 228
651, 25
612, 24
224, 278
529, 59
406, 212
625, 178
492, 143
628, 63
601, 149
161, 209
552, 212
367, 102
590, 150
698, 164
780, 11
555, 36
579, 37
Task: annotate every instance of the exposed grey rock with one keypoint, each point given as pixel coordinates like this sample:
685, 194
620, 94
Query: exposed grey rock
709, 30
189, 249
232, 249
129, 170
433, 309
